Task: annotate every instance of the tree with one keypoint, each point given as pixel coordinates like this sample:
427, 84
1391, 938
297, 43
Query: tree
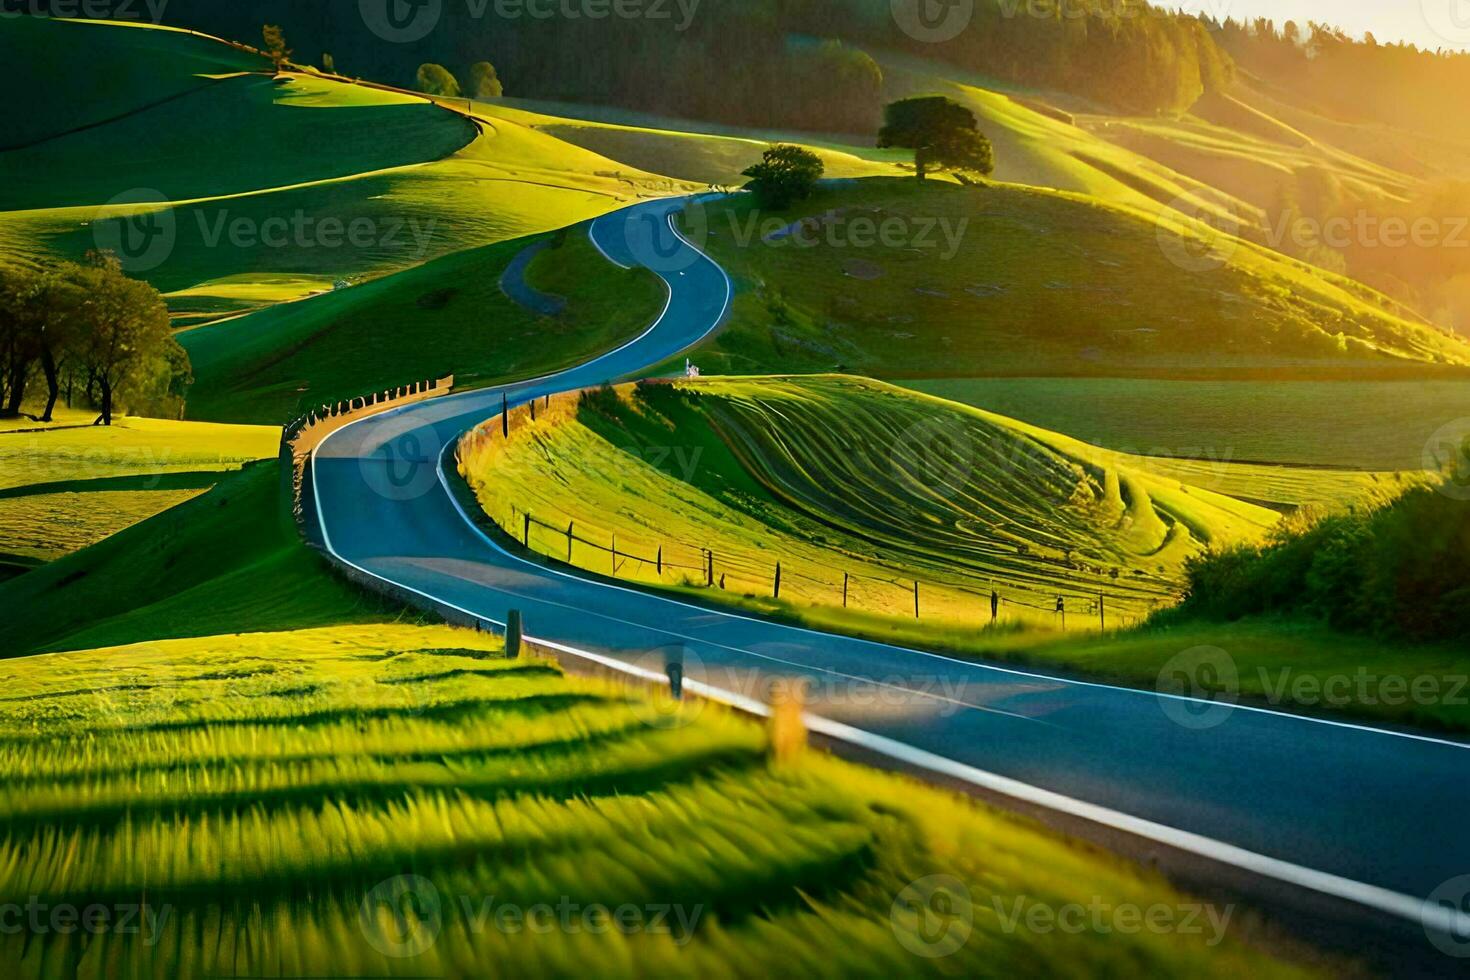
484, 83
436, 80
123, 340
786, 174
34, 327
942, 133
275, 45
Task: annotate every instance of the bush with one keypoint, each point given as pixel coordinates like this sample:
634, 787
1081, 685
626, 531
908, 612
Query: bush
1401, 569
436, 80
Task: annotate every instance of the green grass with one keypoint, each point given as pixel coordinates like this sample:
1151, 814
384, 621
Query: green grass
1286, 663
262, 788
837, 474
228, 560
688, 150
1365, 425
1030, 282
446, 316
416, 181
69, 485
138, 67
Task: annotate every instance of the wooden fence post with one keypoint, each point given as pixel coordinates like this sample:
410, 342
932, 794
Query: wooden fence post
504, 415
844, 590
660, 560
513, 634
569, 541
916, 598
526, 534
777, 593
1102, 619
710, 576
614, 554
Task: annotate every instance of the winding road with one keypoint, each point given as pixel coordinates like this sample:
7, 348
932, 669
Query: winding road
1374, 817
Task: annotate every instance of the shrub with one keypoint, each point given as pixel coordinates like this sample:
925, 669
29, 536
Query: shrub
1399, 569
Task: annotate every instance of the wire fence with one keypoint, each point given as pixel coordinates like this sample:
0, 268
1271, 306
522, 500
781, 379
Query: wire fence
859, 587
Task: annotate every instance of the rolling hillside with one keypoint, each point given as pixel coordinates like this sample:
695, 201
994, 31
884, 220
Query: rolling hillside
71, 484
247, 204
361, 801
834, 475
1036, 282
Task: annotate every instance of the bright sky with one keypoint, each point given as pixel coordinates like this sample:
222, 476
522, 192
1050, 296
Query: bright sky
1428, 23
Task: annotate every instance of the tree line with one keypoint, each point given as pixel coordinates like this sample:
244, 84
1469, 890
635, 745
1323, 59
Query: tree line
87, 330
801, 64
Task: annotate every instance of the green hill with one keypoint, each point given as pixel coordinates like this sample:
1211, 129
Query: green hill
1008, 280
447, 316
833, 475
276, 801
226, 561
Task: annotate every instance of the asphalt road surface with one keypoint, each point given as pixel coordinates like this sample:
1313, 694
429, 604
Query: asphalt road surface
1375, 816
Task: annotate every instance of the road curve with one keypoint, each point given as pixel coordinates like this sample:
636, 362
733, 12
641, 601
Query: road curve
1373, 816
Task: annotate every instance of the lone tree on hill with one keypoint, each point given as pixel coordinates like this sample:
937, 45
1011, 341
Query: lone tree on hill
942, 133
123, 340
785, 175
435, 80
484, 82
275, 45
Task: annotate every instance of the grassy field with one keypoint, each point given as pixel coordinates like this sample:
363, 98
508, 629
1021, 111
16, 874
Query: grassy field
1284, 663
227, 561
449, 315
70, 484
1366, 425
833, 475
1005, 280
370, 801
688, 150
256, 212
143, 66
